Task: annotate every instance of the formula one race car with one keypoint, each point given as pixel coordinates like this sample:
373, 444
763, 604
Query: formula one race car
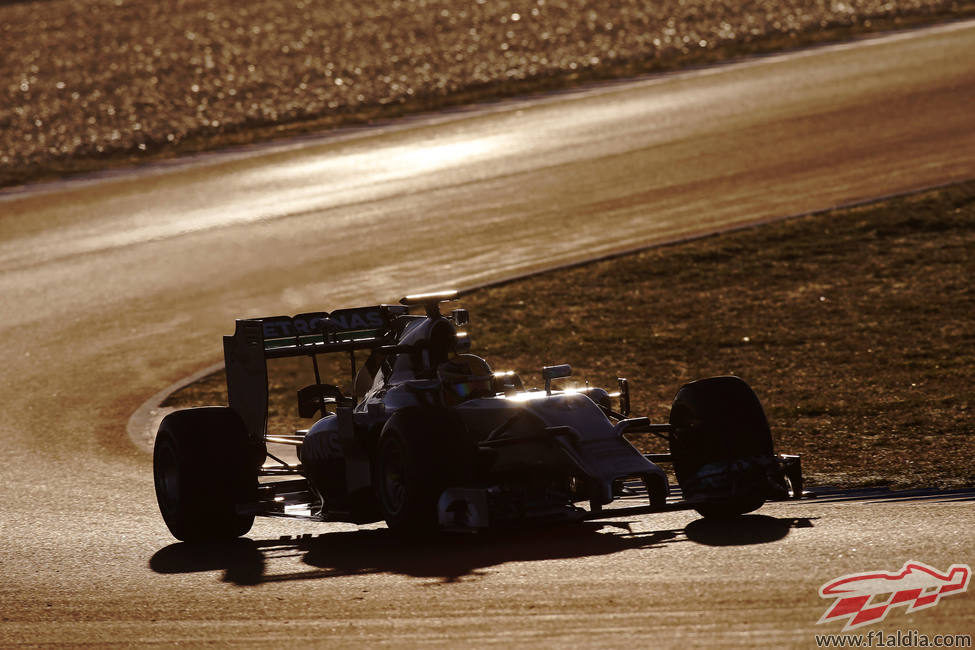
430, 438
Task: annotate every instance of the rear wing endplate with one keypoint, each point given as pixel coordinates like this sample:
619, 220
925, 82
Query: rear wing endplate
256, 340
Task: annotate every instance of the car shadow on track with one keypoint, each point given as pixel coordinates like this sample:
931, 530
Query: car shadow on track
447, 558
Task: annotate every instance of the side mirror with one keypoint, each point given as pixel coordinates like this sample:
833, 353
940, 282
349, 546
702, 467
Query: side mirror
554, 372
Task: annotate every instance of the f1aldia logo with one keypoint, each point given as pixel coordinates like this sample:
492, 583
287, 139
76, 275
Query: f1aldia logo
859, 597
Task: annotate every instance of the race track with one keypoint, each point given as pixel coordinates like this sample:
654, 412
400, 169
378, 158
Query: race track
115, 287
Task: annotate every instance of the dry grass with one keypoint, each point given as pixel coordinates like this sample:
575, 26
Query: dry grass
86, 84
855, 327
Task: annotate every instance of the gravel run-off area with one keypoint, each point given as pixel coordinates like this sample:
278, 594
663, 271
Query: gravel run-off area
89, 83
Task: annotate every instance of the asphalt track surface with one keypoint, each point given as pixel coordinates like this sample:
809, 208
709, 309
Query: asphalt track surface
115, 287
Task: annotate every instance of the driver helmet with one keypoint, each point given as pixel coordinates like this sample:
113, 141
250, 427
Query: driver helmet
462, 380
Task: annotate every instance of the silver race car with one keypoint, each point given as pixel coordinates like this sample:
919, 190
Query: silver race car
427, 437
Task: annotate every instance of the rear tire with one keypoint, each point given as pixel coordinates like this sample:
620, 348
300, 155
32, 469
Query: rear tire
203, 469
718, 423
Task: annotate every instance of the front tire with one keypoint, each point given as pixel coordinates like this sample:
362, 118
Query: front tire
721, 446
203, 469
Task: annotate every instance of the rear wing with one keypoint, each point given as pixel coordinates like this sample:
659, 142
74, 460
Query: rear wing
255, 340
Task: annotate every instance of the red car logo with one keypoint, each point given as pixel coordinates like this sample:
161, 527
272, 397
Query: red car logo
865, 598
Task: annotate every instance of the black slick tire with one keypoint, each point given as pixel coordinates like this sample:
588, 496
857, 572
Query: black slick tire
718, 420
203, 468
420, 453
